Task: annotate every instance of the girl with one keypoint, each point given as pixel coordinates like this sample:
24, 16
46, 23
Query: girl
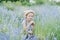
28, 23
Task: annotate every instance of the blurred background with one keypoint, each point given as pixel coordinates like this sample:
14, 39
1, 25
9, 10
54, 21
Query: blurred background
47, 18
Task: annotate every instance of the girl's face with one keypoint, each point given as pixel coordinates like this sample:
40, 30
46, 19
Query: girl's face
30, 16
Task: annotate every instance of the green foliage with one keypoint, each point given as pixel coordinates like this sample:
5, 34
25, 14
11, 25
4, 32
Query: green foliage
0, 20
4, 29
8, 5
26, 3
58, 3
42, 1
39, 1
17, 3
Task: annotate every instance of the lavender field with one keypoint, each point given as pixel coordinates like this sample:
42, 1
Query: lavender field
47, 21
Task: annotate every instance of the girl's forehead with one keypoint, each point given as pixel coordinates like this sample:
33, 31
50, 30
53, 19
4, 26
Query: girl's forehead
30, 14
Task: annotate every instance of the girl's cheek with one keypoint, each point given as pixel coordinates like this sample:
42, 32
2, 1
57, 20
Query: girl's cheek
28, 18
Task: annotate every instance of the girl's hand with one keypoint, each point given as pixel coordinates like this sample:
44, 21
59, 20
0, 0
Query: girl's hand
32, 23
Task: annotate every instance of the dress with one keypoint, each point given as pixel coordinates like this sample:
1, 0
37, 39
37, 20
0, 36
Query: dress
27, 33
29, 29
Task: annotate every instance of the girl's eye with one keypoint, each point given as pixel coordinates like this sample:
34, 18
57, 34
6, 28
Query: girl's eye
30, 16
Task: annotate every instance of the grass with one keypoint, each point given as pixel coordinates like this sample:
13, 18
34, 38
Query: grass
10, 21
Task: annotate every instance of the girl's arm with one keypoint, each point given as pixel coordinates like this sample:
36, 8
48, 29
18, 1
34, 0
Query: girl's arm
32, 24
24, 25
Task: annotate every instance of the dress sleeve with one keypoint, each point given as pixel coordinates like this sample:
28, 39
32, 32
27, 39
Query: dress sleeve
24, 24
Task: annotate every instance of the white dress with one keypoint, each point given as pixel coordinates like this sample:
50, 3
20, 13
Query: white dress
28, 30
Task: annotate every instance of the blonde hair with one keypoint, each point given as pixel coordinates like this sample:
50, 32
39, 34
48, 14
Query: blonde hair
27, 12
